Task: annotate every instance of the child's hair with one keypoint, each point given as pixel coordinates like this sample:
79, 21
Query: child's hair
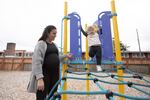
89, 27
95, 27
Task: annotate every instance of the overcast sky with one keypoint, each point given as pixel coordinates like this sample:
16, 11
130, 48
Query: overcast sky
23, 21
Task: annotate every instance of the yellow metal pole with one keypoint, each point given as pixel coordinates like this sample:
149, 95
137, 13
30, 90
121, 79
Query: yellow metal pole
64, 96
87, 66
117, 46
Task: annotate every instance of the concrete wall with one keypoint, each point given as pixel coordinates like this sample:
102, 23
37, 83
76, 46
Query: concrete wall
11, 63
144, 69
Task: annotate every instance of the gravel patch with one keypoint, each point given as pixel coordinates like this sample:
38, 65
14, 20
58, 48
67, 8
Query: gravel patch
13, 86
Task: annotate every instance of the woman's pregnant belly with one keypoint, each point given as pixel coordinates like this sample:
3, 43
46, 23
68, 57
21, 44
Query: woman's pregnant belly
51, 61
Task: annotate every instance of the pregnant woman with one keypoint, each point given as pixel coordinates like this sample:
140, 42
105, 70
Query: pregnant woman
45, 64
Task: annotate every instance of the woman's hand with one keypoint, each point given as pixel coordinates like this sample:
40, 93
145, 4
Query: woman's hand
40, 85
68, 55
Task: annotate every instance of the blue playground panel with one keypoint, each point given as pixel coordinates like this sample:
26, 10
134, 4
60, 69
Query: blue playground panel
106, 37
75, 35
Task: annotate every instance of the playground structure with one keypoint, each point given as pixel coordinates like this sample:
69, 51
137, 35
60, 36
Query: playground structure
107, 58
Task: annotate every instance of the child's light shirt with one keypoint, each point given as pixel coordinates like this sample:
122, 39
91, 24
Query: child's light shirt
93, 39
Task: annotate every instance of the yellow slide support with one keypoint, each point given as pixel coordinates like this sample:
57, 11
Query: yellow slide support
117, 46
64, 96
87, 66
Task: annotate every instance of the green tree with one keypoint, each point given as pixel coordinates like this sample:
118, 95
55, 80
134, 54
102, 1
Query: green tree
123, 46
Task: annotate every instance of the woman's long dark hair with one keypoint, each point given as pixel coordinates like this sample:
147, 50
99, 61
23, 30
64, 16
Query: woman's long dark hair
46, 31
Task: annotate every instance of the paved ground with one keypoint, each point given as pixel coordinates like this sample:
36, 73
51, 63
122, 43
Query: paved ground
13, 87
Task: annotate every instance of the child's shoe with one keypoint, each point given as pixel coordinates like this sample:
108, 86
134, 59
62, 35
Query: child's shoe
99, 68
